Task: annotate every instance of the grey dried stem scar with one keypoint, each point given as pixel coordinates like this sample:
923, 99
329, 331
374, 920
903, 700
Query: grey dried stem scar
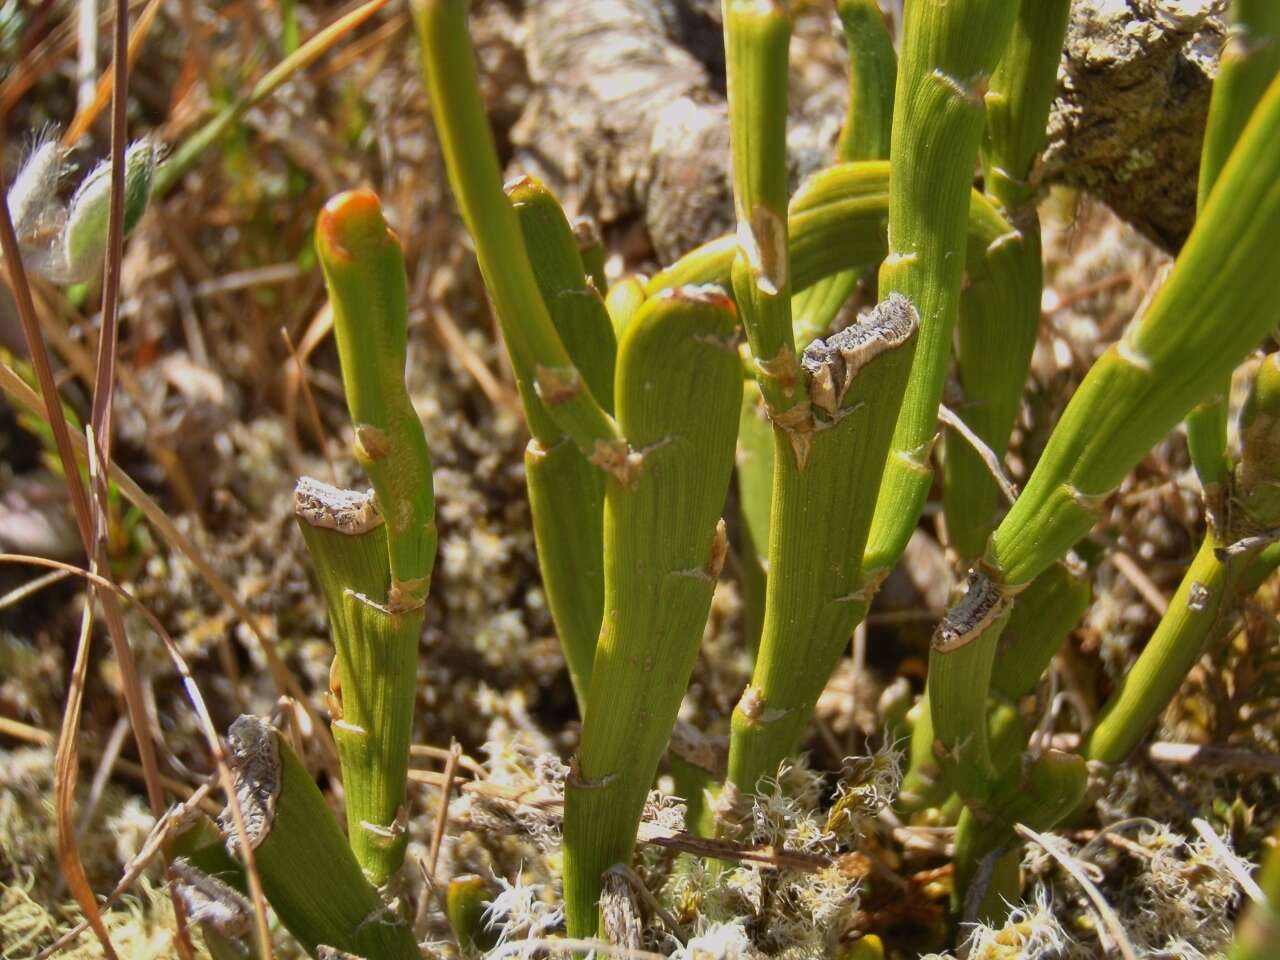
308, 871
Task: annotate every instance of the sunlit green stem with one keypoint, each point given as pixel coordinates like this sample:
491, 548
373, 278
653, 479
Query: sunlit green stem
623, 300
1250, 59
1209, 313
755, 502
542, 365
1204, 605
373, 554
308, 872
993, 351
1045, 614
949, 51
820, 516
677, 393
364, 270
373, 682
566, 493
873, 69
757, 34
591, 249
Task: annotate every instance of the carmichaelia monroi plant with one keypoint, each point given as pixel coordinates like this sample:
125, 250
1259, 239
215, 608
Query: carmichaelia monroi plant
373, 554
1210, 311
644, 396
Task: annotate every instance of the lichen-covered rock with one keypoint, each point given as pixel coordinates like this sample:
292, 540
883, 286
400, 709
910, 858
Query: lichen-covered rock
1129, 118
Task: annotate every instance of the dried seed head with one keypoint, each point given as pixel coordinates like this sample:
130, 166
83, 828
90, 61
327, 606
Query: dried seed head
351, 512
255, 758
983, 604
832, 364
33, 196
85, 237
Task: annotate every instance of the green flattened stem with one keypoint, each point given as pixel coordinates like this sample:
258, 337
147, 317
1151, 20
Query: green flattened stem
873, 70
373, 555
622, 302
374, 677
821, 514
1212, 309
677, 393
757, 36
949, 51
566, 493
574, 303
591, 249
1037, 792
1250, 59
1202, 608
1031, 789
465, 902
1046, 612
836, 222
364, 270
1201, 601
566, 500
1044, 615
755, 501
308, 872
993, 350
1259, 927
542, 365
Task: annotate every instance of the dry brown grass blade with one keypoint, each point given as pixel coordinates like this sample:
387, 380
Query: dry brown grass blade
65, 769
55, 319
360, 48
225, 778
285, 681
46, 57
26, 733
452, 339
85, 117
98, 444
18, 594
988, 456
67, 850
151, 848
316, 46
313, 412
442, 811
